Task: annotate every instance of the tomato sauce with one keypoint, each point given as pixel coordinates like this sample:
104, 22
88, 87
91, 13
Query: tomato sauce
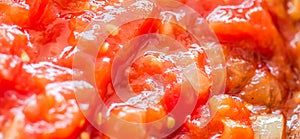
258, 96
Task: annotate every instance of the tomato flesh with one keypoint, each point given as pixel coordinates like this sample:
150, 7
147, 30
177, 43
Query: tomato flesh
38, 107
231, 119
38, 41
248, 23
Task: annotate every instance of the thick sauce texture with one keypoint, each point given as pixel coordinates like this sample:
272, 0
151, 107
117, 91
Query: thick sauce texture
260, 41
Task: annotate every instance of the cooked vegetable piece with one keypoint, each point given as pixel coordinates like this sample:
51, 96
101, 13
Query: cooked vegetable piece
247, 25
269, 126
39, 38
230, 119
39, 102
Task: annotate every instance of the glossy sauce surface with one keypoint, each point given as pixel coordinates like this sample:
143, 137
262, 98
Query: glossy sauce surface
260, 41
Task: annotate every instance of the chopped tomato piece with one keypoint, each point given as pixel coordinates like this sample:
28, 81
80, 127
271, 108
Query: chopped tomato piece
230, 119
31, 11
39, 38
15, 40
39, 102
249, 24
235, 130
124, 118
40, 74
11, 12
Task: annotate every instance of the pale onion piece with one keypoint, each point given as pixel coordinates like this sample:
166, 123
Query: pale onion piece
197, 78
269, 126
214, 103
216, 60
